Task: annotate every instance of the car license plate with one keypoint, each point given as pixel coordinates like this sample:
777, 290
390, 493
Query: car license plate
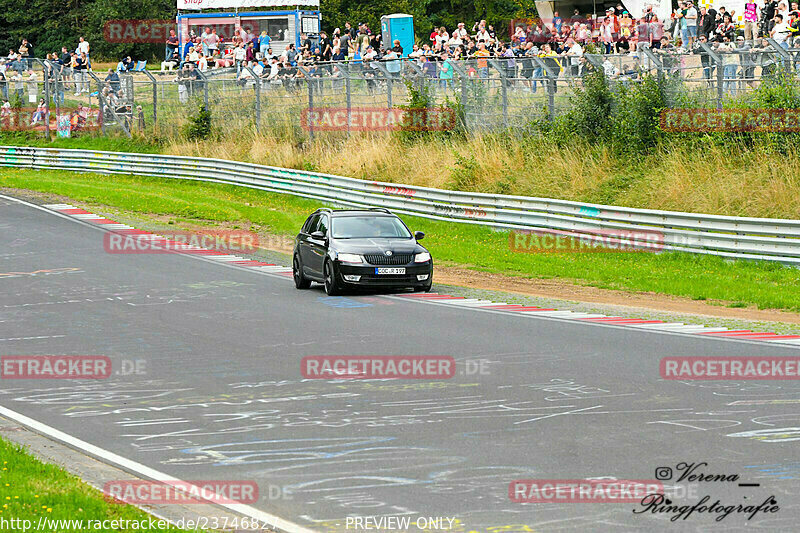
390, 270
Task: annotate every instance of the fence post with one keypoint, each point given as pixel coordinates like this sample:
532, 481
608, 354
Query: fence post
46, 73
503, 88
257, 88
551, 87
155, 97
785, 56
717, 59
388, 77
204, 78
348, 97
310, 107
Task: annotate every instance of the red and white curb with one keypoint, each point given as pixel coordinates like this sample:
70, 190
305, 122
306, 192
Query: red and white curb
177, 246
455, 301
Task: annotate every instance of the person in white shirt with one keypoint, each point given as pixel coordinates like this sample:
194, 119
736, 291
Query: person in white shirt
461, 31
274, 68
202, 63
780, 32
83, 47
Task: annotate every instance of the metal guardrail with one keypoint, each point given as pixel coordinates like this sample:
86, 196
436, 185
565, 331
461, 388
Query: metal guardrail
733, 237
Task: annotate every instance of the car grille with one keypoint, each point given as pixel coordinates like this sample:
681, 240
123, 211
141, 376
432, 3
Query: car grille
380, 259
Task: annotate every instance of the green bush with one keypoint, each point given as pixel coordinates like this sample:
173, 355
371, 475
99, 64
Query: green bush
199, 126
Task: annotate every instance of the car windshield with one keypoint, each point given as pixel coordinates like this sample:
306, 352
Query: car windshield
367, 227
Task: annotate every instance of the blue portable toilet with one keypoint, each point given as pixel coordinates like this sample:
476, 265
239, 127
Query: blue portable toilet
398, 26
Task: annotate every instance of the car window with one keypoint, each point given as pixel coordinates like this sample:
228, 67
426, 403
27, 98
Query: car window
310, 224
364, 227
323, 225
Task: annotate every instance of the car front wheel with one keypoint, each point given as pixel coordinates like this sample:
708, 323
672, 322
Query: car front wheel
331, 284
300, 281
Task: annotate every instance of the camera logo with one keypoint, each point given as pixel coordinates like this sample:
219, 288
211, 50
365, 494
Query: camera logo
663, 473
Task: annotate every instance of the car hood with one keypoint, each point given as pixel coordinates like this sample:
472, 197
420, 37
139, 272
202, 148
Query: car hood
378, 246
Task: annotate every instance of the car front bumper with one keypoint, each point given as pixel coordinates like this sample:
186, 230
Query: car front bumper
369, 278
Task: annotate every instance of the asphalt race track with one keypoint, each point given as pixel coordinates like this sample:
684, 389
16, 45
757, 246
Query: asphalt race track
219, 394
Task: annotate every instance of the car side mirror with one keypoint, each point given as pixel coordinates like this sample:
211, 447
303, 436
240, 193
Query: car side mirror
318, 235
419, 235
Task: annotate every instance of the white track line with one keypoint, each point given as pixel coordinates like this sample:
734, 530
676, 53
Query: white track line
146, 471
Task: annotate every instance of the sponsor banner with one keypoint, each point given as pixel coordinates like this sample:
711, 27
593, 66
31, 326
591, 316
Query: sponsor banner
138, 31
377, 119
731, 120
55, 367
582, 490
69, 119
182, 492
220, 4
228, 241
717, 368
378, 367
557, 241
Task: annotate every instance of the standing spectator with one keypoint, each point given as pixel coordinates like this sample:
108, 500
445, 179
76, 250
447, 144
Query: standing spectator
445, 71
213, 40
481, 54
750, 20
557, 22
263, 43
691, 24
19, 85
656, 28
82, 67
26, 52
607, 35
325, 46
172, 45
239, 57
3, 85
204, 40
83, 48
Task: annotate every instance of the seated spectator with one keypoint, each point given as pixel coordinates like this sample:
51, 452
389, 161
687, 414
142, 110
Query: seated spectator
113, 80
40, 113
172, 62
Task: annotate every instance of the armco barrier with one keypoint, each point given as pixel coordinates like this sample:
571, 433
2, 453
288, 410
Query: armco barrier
734, 237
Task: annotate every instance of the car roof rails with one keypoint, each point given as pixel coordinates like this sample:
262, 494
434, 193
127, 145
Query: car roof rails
325, 209
381, 209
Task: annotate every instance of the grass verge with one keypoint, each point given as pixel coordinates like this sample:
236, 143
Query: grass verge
33, 491
765, 285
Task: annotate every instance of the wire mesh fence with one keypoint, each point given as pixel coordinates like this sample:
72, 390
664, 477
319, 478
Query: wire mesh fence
492, 93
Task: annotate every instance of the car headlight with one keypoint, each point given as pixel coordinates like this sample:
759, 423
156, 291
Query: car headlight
349, 258
422, 258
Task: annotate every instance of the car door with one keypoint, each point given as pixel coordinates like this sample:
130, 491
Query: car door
304, 246
318, 248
